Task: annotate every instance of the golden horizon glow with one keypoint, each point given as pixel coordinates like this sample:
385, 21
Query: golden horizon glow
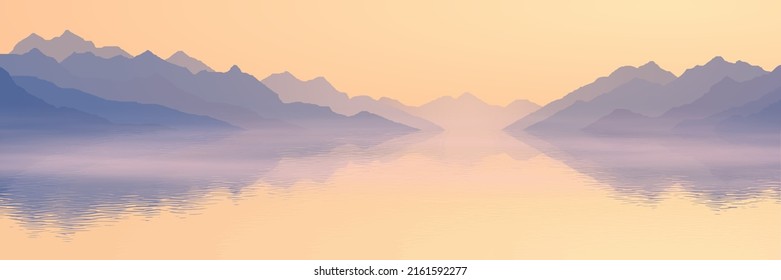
416, 51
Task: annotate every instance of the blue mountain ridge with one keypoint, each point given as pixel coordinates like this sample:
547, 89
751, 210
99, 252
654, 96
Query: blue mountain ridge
117, 111
645, 98
233, 87
233, 96
21, 112
722, 101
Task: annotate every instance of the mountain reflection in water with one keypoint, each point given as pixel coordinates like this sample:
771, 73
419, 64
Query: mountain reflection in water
507, 197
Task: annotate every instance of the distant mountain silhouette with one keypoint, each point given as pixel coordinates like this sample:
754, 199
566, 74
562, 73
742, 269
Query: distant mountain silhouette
319, 91
695, 117
117, 111
194, 65
63, 46
583, 113
521, 107
467, 112
766, 121
695, 82
375, 124
650, 72
233, 87
726, 94
647, 98
738, 114
181, 91
22, 113
34, 63
150, 90
316, 91
234, 96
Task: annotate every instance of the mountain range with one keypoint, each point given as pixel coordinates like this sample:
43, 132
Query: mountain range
233, 97
194, 65
647, 97
725, 99
468, 113
649, 72
696, 103
147, 90
319, 91
65, 45
117, 111
23, 113
66, 80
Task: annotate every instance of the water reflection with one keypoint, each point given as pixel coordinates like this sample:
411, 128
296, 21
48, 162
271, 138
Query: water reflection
72, 185
69, 186
253, 196
715, 172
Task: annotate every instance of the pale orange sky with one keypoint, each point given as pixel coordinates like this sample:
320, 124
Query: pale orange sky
416, 51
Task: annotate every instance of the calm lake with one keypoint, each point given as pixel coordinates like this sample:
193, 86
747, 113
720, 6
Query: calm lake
478, 195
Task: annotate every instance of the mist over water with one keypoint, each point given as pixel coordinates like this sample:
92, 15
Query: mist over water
717, 172
469, 187
108, 155
70, 184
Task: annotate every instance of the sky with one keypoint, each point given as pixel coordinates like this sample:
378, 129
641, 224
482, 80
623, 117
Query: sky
416, 51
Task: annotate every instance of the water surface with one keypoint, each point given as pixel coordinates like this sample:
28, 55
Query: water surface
421, 196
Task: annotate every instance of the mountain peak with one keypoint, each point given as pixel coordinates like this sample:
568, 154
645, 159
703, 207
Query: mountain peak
287, 74
147, 55
741, 62
320, 80
716, 59
650, 65
182, 59
80, 56
60, 47
234, 69
717, 68
34, 37
35, 52
468, 95
283, 76
522, 102
67, 34
179, 55
777, 70
633, 71
321, 83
